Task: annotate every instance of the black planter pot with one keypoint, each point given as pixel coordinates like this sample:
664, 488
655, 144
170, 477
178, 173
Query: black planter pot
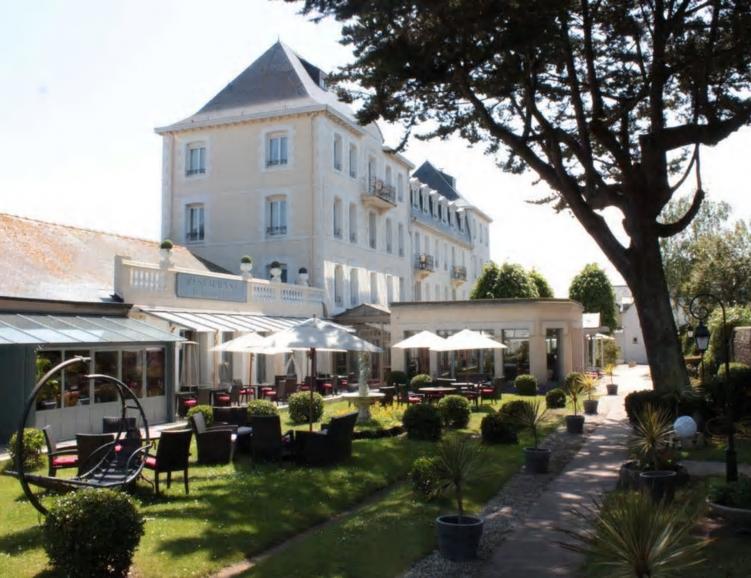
458, 539
612, 388
536, 460
575, 424
660, 484
629, 476
590, 406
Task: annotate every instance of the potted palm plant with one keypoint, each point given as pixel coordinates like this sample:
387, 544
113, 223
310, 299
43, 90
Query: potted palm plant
531, 416
590, 385
611, 387
458, 535
574, 385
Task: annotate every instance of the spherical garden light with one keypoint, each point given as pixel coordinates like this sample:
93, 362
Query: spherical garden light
685, 427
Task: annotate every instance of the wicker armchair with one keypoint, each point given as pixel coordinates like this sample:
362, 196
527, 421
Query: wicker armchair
172, 455
267, 441
330, 445
214, 443
236, 417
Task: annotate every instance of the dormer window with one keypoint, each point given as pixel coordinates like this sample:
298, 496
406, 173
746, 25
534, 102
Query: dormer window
276, 149
195, 159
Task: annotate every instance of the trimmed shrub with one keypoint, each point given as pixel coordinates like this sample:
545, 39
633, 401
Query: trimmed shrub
33, 444
555, 398
300, 407
208, 413
455, 411
422, 422
513, 411
636, 401
732, 494
496, 429
420, 380
425, 477
525, 384
740, 374
262, 407
92, 532
397, 377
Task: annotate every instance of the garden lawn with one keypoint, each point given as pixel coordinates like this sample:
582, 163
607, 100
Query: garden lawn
715, 451
240, 510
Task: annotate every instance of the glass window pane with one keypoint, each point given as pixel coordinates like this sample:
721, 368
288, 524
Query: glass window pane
76, 387
50, 396
154, 372
105, 362
133, 371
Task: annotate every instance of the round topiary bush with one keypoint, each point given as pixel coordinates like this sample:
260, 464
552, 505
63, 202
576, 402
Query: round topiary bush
33, 444
422, 422
92, 533
513, 411
526, 384
420, 380
425, 477
262, 407
496, 429
208, 413
455, 411
300, 407
555, 398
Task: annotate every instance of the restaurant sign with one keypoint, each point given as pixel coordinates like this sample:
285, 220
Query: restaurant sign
202, 287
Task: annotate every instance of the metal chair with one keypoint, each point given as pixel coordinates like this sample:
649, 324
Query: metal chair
58, 459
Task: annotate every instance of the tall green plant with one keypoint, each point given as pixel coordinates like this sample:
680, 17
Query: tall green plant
457, 458
530, 416
652, 433
574, 387
633, 537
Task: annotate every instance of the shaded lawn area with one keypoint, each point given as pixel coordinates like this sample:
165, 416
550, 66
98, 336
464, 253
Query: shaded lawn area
241, 509
715, 451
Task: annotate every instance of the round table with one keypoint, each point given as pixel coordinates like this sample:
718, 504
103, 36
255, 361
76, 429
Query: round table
436, 392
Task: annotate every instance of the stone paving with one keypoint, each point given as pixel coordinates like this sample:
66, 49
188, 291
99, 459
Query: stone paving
520, 537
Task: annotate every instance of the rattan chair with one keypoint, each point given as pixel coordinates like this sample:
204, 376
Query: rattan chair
172, 455
330, 445
58, 459
267, 441
214, 443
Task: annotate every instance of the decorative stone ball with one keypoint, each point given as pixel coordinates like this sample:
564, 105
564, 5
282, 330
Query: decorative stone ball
685, 427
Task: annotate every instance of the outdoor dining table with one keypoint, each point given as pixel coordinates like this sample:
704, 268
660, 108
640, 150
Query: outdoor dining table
469, 387
390, 391
436, 392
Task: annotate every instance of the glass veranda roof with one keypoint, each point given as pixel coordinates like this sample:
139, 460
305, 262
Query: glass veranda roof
18, 329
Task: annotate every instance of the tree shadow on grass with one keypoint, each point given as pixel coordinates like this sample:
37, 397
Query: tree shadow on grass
24, 540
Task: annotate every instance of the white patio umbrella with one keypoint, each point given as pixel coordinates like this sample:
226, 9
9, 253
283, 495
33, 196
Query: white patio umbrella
314, 335
249, 343
468, 339
422, 340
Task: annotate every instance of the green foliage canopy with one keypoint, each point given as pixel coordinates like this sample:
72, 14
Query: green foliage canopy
593, 289
509, 281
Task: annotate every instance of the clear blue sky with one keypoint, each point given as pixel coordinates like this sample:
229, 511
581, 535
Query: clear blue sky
83, 84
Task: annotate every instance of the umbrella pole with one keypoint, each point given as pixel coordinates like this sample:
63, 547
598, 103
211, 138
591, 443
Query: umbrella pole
313, 374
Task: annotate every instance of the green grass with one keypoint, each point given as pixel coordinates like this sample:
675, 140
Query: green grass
714, 451
240, 510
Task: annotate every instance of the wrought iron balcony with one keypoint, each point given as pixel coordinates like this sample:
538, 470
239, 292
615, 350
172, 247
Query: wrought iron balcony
424, 265
379, 195
279, 230
458, 275
194, 236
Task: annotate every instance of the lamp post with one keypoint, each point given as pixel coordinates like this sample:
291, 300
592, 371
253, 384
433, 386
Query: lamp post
700, 312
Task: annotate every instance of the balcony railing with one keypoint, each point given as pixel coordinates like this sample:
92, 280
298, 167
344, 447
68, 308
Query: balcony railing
199, 171
424, 262
459, 273
193, 236
275, 162
379, 195
279, 230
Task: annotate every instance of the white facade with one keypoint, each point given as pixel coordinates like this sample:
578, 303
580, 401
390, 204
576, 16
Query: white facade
296, 180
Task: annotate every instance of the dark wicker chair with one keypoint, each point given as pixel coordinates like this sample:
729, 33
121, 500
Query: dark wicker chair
407, 397
172, 455
235, 417
330, 445
267, 441
214, 443
91, 449
58, 459
112, 424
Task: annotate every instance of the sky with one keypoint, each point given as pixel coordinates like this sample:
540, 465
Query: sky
83, 83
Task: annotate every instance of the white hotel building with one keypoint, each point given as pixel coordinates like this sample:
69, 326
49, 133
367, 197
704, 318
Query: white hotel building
275, 167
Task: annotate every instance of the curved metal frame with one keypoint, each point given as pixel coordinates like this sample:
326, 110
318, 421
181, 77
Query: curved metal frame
125, 394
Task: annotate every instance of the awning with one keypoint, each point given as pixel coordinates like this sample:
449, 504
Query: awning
205, 322
18, 329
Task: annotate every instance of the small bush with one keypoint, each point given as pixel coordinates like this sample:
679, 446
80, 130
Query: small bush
636, 402
572, 378
421, 380
262, 407
455, 411
208, 413
300, 407
422, 422
33, 444
496, 429
513, 411
731, 494
525, 384
397, 377
555, 398
92, 532
425, 477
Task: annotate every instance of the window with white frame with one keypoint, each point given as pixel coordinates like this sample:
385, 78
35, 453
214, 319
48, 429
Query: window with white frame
400, 187
389, 237
417, 291
337, 218
352, 223
373, 287
277, 153
389, 289
276, 216
352, 161
354, 287
400, 239
194, 223
337, 152
445, 257
195, 159
372, 230
339, 286
417, 243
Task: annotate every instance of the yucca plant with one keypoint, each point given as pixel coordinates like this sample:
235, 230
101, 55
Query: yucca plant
633, 537
652, 433
574, 387
531, 415
457, 457
589, 384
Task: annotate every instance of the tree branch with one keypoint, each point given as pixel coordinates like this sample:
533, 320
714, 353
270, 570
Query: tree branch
675, 137
670, 229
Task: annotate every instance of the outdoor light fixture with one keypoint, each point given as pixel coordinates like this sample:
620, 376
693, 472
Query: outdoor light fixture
700, 311
690, 331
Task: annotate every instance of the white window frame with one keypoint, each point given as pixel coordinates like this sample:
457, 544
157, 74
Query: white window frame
372, 230
190, 171
337, 153
354, 286
276, 220
281, 151
337, 218
389, 236
353, 161
374, 287
352, 217
197, 234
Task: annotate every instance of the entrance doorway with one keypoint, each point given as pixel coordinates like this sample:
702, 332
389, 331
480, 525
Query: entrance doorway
553, 350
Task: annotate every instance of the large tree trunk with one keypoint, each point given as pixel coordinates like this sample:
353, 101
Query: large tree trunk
646, 279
